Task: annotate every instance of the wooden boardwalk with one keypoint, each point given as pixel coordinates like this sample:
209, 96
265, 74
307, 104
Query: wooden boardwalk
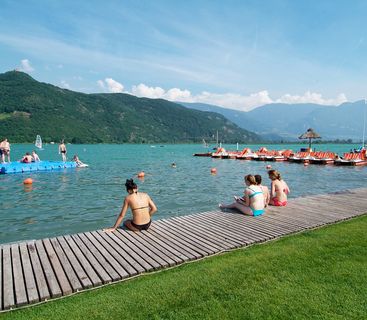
39, 270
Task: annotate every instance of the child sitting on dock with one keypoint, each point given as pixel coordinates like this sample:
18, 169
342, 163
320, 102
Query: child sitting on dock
142, 208
252, 203
279, 189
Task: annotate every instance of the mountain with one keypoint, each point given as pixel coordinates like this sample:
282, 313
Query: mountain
288, 121
28, 108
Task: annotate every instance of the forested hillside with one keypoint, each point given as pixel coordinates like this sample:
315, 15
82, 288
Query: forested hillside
28, 108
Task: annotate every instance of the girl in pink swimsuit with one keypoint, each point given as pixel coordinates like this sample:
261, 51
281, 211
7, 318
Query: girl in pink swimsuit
279, 189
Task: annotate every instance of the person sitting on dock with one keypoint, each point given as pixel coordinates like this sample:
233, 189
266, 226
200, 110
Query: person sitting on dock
252, 203
264, 189
27, 158
35, 157
279, 189
142, 208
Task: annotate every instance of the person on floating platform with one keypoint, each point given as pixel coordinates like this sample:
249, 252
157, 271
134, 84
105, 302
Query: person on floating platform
62, 150
253, 203
279, 189
5, 150
142, 208
77, 161
27, 158
35, 157
264, 189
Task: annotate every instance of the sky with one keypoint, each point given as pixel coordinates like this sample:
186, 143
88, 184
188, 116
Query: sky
235, 54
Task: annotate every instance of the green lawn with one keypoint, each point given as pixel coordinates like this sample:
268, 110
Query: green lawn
321, 274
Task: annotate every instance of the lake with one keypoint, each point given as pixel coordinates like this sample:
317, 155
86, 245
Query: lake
85, 199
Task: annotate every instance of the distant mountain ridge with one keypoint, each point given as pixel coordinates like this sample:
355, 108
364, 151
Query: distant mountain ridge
29, 107
288, 121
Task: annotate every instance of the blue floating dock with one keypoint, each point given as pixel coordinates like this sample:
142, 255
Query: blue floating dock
19, 167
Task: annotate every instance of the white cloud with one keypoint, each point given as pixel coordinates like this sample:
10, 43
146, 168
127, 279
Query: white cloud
110, 85
25, 66
142, 90
233, 100
65, 85
101, 84
312, 97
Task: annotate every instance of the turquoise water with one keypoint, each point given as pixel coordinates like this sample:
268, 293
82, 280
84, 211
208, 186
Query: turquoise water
77, 200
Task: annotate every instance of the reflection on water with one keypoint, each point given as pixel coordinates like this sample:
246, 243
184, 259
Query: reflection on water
77, 200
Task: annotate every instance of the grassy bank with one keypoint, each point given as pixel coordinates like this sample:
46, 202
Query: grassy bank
319, 274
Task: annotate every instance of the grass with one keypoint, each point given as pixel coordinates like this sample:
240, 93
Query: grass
4, 116
320, 274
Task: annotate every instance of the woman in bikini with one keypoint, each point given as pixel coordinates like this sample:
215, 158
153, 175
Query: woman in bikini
279, 189
252, 203
142, 208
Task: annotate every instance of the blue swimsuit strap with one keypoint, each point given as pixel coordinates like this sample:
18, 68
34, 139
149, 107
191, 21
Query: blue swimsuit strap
254, 192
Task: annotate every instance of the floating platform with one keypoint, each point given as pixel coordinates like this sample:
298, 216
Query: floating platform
19, 167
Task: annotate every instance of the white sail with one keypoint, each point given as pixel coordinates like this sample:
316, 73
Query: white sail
38, 143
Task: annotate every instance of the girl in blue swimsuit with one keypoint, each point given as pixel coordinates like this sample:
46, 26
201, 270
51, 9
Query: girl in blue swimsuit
252, 203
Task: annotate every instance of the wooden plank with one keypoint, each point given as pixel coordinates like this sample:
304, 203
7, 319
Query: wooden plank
103, 254
69, 271
157, 243
98, 268
228, 228
193, 246
140, 265
177, 241
236, 236
84, 272
213, 233
41, 282
19, 284
135, 248
238, 223
57, 268
314, 214
114, 251
86, 264
8, 288
51, 279
176, 245
30, 281
149, 250
200, 230
196, 239
177, 255
199, 242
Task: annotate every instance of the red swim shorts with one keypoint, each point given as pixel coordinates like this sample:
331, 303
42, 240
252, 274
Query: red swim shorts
279, 203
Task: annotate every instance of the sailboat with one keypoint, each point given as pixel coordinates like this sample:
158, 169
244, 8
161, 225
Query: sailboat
38, 143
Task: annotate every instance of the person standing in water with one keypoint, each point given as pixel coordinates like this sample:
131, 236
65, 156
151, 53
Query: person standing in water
142, 208
62, 150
